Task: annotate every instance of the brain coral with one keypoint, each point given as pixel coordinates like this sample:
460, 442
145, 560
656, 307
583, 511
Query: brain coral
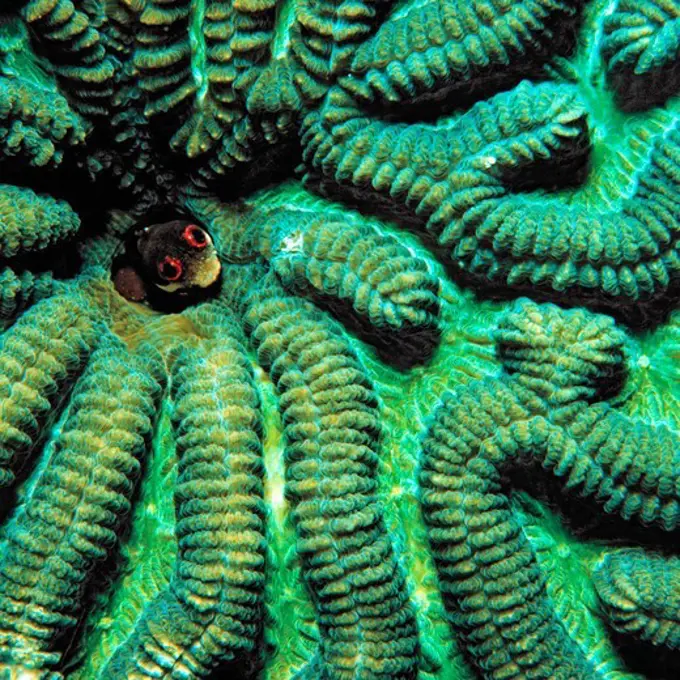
425, 426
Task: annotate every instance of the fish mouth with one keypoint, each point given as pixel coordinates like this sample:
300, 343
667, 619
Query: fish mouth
171, 287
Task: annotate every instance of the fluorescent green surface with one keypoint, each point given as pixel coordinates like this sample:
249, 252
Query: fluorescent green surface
621, 144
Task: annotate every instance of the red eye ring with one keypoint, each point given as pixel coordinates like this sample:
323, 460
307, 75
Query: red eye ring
195, 236
170, 268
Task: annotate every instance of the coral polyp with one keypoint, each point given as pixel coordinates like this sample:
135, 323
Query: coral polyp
339, 340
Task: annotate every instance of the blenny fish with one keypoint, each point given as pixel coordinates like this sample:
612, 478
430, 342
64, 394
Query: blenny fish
162, 263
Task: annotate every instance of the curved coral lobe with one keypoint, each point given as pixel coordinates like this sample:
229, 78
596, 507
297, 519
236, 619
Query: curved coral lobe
31, 223
75, 510
40, 355
329, 410
37, 125
441, 50
640, 594
213, 602
461, 183
362, 275
642, 48
66, 37
547, 406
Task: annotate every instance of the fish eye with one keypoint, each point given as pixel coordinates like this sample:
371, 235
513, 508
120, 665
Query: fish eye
170, 268
195, 236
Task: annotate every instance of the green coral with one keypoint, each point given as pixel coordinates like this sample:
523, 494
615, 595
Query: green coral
372, 272
326, 35
331, 415
642, 48
36, 125
31, 222
64, 35
234, 84
366, 277
37, 130
458, 180
332, 428
72, 515
548, 406
39, 356
214, 598
640, 593
279, 527
238, 37
20, 290
163, 55
438, 50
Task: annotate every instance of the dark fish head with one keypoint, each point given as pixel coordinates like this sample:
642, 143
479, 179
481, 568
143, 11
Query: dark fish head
178, 255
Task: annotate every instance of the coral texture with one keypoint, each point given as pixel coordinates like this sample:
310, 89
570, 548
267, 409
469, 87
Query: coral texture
642, 47
457, 181
547, 405
76, 506
360, 457
331, 423
640, 592
345, 264
214, 598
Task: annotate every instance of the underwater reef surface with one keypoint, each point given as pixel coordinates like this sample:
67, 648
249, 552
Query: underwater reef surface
426, 422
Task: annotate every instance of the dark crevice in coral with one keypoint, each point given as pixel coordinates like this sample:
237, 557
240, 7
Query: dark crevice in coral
568, 170
644, 315
68, 181
242, 669
63, 261
97, 594
270, 166
634, 94
454, 99
651, 661
583, 517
